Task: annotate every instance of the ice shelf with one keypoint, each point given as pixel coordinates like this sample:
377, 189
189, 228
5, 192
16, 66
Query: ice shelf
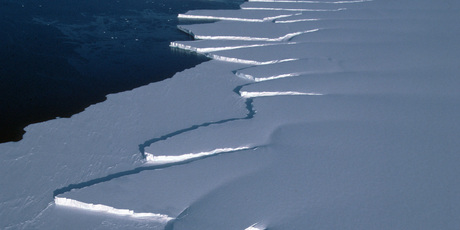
311, 115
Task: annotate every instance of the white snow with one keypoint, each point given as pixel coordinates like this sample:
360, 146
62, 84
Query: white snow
312, 115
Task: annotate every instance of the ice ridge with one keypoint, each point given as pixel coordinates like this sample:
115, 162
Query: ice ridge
61, 201
286, 37
215, 49
152, 159
293, 9
271, 94
206, 17
158, 161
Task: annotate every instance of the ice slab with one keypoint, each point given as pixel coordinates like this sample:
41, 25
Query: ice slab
359, 130
274, 54
332, 175
273, 112
208, 46
333, 35
160, 159
365, 52
290, 69
171, 190
362, 83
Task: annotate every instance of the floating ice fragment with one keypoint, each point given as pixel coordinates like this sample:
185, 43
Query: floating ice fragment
62, 201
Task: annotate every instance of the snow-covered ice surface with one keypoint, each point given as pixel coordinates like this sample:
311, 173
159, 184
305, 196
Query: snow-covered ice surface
313, 115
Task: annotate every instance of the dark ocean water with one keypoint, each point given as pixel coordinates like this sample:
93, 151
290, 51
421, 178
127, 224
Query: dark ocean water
59, 57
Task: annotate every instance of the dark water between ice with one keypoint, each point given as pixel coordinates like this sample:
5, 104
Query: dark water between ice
58, 57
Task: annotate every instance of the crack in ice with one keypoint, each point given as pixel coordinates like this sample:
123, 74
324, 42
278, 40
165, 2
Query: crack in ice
155, 162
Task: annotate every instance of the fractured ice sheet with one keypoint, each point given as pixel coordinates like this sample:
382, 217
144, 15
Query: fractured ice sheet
362, 83
343, 175
171, 190
273, 112
105, 138
353, 125
357, 51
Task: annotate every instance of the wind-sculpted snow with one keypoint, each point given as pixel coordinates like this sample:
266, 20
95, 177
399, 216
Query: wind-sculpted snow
313, 114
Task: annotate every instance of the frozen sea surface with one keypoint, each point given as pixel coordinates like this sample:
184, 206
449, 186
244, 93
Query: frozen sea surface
313, 115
